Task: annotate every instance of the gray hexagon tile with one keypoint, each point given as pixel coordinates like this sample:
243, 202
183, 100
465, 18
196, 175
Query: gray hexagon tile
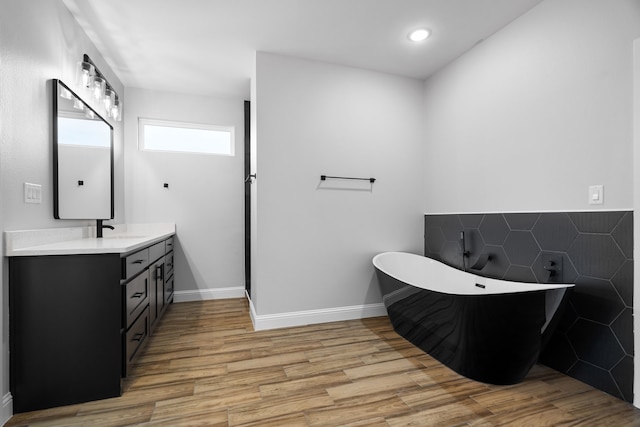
624, 381
518, 273
596, 377
623, 234
451, 228
494, 229
471, 220
521, 221
596, 255
554, 232
606, 354
521, 248
623, 282
596, 299
451, 254
622, 328
434, 239
595, 222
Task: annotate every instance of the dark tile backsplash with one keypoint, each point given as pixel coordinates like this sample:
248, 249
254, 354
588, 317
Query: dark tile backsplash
594, 341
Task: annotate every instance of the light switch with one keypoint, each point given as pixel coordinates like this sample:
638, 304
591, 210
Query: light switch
596, 195
32, 193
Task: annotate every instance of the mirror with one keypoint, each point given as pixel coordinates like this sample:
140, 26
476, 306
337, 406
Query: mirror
82, 159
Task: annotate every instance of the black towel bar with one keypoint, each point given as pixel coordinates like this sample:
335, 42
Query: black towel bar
324, 178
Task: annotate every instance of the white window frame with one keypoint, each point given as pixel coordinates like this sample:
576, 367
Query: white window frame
186, 125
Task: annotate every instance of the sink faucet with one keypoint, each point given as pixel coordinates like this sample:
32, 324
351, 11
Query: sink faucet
100, 226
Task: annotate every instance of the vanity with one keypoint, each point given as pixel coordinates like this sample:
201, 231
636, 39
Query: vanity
81, 308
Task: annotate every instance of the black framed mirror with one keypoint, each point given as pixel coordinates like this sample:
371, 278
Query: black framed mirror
82, 158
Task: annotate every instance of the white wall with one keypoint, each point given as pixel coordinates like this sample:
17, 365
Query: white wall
532, 117
314, 243
39, 41
205, 194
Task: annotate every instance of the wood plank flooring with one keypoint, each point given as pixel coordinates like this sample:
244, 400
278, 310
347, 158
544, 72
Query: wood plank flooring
205, 366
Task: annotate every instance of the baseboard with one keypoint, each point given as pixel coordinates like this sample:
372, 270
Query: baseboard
6, 412
207, 294
311, 317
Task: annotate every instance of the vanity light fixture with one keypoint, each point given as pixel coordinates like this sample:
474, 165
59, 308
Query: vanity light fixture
95, 83
419, 35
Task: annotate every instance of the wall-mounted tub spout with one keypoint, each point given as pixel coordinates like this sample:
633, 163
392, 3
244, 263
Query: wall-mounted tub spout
481, 262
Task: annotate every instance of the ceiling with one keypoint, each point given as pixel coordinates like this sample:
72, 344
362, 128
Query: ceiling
207, 46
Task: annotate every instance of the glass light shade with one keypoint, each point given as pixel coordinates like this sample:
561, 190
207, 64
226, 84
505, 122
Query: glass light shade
86, 71
116, 110
97, 88
65, 93
109, 98
77, 104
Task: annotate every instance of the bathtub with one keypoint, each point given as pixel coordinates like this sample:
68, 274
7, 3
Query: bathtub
486, 329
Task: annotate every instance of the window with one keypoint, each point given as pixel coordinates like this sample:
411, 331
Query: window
160, 135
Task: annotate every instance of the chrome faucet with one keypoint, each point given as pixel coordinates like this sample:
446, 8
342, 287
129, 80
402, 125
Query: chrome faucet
100, 227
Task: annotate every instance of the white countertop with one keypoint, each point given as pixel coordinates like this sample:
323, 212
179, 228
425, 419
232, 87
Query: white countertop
81, 240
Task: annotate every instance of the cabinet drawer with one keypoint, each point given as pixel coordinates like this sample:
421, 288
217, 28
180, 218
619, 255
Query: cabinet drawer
168, 290
168, 244
135, 263
134, 338
168, 264
136, 296
156, 251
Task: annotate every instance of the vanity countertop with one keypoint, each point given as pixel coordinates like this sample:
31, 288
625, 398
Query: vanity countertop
81, 240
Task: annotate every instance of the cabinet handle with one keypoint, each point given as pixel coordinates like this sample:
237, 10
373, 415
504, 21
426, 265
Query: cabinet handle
138, 261
159, 274
137, 337
137, 295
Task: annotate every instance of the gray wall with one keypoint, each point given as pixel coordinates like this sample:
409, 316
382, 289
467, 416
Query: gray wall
534, 115
315, 240
40, 41
205, 194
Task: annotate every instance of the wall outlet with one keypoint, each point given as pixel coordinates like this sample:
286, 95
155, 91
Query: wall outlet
32, 193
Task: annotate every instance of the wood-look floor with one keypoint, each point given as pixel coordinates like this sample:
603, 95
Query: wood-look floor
205, 366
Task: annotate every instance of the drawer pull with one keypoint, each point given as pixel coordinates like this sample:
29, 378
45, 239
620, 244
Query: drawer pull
138, 261
137, 295
137, 337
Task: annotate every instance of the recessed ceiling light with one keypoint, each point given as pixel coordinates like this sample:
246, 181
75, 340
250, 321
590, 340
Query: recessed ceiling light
419, 35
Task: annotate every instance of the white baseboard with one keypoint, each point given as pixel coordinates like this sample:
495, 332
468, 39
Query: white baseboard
207, 294
311, 317
6, 411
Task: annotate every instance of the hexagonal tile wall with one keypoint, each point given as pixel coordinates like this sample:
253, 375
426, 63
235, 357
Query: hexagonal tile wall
594, 339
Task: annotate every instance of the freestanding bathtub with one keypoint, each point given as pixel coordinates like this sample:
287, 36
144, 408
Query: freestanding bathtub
486, 329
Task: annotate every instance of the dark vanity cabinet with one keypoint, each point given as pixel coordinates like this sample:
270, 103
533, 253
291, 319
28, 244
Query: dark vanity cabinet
77, 322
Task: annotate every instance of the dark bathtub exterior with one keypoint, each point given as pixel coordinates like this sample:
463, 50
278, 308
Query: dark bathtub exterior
494, 339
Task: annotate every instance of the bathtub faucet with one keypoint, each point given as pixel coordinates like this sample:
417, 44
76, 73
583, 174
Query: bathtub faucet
481, 262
